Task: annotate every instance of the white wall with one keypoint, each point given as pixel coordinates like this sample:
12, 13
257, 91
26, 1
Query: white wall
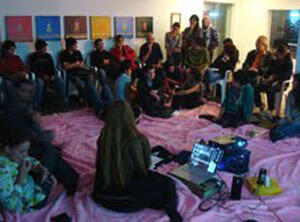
250, 18
160, 10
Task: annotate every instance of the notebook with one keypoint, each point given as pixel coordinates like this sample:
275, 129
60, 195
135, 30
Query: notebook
202, 166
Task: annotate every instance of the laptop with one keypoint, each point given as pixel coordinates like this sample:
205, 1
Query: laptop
202, 166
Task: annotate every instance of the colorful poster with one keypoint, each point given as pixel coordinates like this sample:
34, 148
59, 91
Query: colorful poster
100, 27
19, 28
48, 28
144, 26
124, 26
76, 27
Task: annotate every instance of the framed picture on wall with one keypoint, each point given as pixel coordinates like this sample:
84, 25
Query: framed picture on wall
100, 27
144, 25
19, 28
124, 26
175, 17
76, 27
48, 28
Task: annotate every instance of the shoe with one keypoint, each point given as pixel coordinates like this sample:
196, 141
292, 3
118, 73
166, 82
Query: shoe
175, 113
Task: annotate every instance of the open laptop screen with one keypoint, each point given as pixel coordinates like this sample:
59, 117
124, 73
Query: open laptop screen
206, 157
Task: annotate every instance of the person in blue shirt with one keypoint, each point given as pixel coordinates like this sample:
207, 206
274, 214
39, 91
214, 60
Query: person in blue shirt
237, 108
290, 125
122, 84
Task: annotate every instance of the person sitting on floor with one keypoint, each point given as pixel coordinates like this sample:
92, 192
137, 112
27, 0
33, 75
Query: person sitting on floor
126, 88
42, 65
281, 70
175, 77
11, 65
258, 61
152, 97
17, 113
290, 125
238, 105
104, 60
173, 43
188, 96
123, 83
20, 191
123, 52
123, 180
72, 61
150, 52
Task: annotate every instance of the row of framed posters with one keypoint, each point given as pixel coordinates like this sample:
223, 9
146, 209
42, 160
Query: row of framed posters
19, 28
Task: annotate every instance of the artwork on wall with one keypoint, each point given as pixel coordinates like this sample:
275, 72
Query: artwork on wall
48, 28
76, 27
100, 27
144, 25
175, 17
124, 26
19, 28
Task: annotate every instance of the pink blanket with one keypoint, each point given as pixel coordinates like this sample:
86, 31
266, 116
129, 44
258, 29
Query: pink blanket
78, 131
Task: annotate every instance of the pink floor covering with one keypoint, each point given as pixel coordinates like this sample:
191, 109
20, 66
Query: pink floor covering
78, 131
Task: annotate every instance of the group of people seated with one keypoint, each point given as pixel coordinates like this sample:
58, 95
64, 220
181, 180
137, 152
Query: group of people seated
31, 166
185, 80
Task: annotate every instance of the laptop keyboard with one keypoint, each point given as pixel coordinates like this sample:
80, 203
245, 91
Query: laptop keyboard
193, 174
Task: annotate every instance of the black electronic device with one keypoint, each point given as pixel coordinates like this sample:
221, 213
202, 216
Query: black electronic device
236, 158
262, 176
236, 188
229, 142
236, 161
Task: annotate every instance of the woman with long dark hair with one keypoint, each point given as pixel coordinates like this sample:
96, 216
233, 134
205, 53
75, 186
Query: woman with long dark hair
290, 125
195, 55
124, 182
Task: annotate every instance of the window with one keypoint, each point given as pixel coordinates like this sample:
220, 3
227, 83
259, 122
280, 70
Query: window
285, 25
220, 15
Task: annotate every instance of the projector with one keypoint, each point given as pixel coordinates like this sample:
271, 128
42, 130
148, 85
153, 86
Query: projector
235, 158
229, 142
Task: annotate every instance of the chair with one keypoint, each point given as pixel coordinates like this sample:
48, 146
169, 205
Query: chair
93, 69
281, 97
223, 85
62, 73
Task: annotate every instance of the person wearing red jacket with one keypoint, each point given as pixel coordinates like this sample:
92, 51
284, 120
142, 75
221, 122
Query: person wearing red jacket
124, 52
11, 65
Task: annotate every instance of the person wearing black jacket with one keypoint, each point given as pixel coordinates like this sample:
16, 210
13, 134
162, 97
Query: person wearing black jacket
42, 65
151, 94
104, 61
227, 60
280, 70
71, 60
150, 52
258, 61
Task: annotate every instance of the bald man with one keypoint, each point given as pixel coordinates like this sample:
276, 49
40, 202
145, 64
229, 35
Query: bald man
150, 52
210, 35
